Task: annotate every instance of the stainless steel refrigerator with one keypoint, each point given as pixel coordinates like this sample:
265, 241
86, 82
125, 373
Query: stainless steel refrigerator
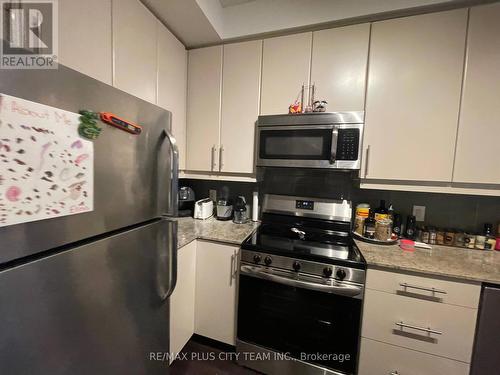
88, 293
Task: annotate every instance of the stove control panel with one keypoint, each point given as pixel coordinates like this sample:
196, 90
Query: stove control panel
324, 271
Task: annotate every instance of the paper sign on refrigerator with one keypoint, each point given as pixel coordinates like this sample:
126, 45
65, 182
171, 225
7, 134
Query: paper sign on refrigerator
46, 168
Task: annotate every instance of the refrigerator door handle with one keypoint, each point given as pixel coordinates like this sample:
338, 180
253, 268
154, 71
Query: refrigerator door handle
174, 176
171, 248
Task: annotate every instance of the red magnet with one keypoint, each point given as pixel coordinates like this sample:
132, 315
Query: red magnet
113, 120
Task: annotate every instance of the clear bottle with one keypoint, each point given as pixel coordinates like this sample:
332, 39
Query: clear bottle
369, 227
490, 241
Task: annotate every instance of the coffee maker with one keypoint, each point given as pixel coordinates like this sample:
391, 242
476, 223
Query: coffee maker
224, 204
186, 201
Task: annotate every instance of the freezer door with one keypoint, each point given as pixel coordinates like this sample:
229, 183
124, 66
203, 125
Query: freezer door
135, 175
100, 308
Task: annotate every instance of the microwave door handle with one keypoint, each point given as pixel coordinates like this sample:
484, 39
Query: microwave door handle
174, 174
335, 137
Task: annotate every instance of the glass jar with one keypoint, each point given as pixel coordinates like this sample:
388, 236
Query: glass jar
449, 237
440, 237
425, 235
359, 224
383, 229
480, 242
432, 236
470, 240
459, 239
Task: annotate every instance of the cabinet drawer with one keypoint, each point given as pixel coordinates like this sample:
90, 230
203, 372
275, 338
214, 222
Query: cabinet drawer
377, 358
453, 326
426, 288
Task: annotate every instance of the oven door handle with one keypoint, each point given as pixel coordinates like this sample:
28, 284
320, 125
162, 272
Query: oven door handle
347, 290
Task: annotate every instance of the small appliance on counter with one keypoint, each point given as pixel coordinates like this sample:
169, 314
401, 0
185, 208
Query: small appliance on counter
203, 209
186, 201
224, 209
224, 204
240, 211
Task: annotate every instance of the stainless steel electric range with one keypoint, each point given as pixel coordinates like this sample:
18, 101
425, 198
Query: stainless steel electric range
301, 285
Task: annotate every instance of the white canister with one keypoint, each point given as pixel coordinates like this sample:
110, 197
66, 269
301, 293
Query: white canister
255, 206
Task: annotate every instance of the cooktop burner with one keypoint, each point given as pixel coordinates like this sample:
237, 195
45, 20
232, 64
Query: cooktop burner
299, 241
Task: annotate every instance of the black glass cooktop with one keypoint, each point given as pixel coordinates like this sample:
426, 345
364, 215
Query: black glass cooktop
299, 238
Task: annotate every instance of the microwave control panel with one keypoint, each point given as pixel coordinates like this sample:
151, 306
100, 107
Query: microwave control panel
348, 144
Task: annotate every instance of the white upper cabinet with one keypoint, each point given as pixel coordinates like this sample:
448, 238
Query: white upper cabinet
285, 68
134, 47
414, 83
338, 67
85, 37
172, 85
477, 157
204, 105
240, 105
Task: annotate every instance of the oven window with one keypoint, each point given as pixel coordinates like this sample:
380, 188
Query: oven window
307, 144
299, 321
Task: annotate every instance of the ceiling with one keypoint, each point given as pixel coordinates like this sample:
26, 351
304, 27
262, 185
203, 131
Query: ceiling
204, 22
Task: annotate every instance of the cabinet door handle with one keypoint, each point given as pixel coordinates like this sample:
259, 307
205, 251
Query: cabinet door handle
417, 328
221, 160
433, 290
231, 273
366, 160
394, 373
214, 163
234, 267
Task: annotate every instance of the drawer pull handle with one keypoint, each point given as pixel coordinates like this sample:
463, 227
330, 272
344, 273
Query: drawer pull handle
433, 290
394, 373
428, 330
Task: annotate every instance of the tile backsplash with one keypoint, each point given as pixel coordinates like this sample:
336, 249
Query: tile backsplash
468, 212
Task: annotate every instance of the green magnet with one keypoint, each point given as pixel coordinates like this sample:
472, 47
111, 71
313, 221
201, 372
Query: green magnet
88, 127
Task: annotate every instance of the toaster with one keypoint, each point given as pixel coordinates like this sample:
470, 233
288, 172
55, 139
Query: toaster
203, 209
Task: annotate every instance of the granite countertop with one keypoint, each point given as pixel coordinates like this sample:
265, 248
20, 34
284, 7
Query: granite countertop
190, 229
465, 264
453, 262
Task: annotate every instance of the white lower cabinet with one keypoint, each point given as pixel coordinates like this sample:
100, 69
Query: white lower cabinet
182, 299
215, 303
378, 358
415, 324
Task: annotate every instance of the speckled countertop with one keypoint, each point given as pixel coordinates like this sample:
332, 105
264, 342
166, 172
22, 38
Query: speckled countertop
465, 264
211, 229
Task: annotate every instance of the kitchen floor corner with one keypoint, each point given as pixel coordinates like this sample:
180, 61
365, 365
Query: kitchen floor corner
206, 367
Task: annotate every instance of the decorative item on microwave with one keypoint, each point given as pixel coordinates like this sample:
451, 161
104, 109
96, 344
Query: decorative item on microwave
300, 105
319, 106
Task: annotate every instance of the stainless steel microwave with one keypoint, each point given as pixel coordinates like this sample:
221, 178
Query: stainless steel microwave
317, 140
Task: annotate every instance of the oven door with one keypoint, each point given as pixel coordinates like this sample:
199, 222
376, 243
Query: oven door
311, 325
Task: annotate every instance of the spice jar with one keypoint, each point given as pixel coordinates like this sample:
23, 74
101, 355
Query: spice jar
469, 240
449, 237
383, 229
432, 236
440, 237
480, 242
425, 235
363, 209
459, 239
359, 224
